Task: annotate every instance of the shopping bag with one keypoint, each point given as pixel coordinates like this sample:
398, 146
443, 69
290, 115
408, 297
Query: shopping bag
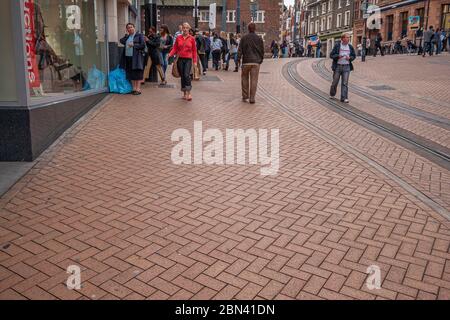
96, 79
118, 82
196, 72
175, 71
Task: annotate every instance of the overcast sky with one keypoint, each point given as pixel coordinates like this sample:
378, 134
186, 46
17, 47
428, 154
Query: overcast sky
289, 2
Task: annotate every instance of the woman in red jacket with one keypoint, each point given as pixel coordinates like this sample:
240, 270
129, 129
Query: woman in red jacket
186, 51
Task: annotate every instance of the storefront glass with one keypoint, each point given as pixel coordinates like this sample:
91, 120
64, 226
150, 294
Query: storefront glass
66, 47
8, 89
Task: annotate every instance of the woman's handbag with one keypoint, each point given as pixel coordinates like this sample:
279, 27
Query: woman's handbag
196, 72
175, 71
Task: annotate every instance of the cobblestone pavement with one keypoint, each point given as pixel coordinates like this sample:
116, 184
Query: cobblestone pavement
107, 197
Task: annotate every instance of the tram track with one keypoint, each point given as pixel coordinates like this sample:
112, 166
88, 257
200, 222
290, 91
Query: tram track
430, 150
346, 147
429, 117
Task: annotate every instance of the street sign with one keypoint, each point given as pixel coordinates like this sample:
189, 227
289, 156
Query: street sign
212, 15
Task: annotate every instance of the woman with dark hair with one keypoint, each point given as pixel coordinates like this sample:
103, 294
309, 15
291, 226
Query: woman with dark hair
153, 42
133, 57
166, 45
185, 49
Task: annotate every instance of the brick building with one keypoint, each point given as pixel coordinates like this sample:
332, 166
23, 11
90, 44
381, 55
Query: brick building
394, 16
174, 12
328, 19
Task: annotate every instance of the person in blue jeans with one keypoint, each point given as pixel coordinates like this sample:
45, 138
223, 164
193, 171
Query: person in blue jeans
166, 46
319, 45
342, 54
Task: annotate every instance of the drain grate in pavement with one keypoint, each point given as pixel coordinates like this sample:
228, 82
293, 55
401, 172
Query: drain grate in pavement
211, 78
167, 86
381, 88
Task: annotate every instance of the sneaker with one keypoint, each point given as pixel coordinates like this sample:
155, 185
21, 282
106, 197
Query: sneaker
345, 101
332, 97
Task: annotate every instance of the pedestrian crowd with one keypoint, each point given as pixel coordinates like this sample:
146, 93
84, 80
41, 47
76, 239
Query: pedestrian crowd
189, 52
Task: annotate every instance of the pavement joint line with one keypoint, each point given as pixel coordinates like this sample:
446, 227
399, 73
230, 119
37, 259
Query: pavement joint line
346, 147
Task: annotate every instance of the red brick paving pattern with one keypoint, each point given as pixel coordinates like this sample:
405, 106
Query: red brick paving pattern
108, 198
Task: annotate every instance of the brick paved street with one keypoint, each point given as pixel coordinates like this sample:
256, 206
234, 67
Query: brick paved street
108, 198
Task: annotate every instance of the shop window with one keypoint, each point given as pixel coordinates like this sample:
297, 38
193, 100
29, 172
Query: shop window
390, 27
68, 44
204, 15
8, 89
404, 24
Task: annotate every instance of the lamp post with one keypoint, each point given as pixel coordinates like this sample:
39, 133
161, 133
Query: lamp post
196, 14
364, 42
238, 16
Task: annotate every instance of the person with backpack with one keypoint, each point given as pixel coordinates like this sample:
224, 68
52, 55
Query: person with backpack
201, 50
216, 49
233, 53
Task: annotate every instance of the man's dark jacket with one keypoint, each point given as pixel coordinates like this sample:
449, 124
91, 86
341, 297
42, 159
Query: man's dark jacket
335, 56
153, 45
251, 49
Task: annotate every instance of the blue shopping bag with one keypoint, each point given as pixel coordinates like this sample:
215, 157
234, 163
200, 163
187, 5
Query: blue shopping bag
118, 82
96, 79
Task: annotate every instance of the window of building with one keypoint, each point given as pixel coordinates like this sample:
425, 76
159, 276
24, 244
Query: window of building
8, 88
317, 26
330, 5
347, 18
338, 20
70, 52
347, 3
390, 27
260, 16
312, 13
421, 13
231, 16
317, 11
311, 31
324, 7
322, 24
404, 23
339, 4
329, 21
204, 16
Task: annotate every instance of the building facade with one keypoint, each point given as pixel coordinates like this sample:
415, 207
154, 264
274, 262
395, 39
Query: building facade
267, 17
394, 19
56, 57
328, 19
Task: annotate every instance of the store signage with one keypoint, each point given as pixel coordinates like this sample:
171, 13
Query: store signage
212, 15
30, 41
414, 22
73, 17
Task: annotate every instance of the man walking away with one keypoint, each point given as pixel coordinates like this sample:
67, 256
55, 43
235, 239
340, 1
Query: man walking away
438, 41
319, 46
201, 50
207, 49
427, 40
342, 54
251, 53
378, 40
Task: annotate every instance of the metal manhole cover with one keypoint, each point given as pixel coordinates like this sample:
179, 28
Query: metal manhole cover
210, 78
381, 88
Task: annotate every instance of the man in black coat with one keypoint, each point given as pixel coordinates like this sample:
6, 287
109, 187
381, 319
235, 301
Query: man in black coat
342, 54
153, 42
